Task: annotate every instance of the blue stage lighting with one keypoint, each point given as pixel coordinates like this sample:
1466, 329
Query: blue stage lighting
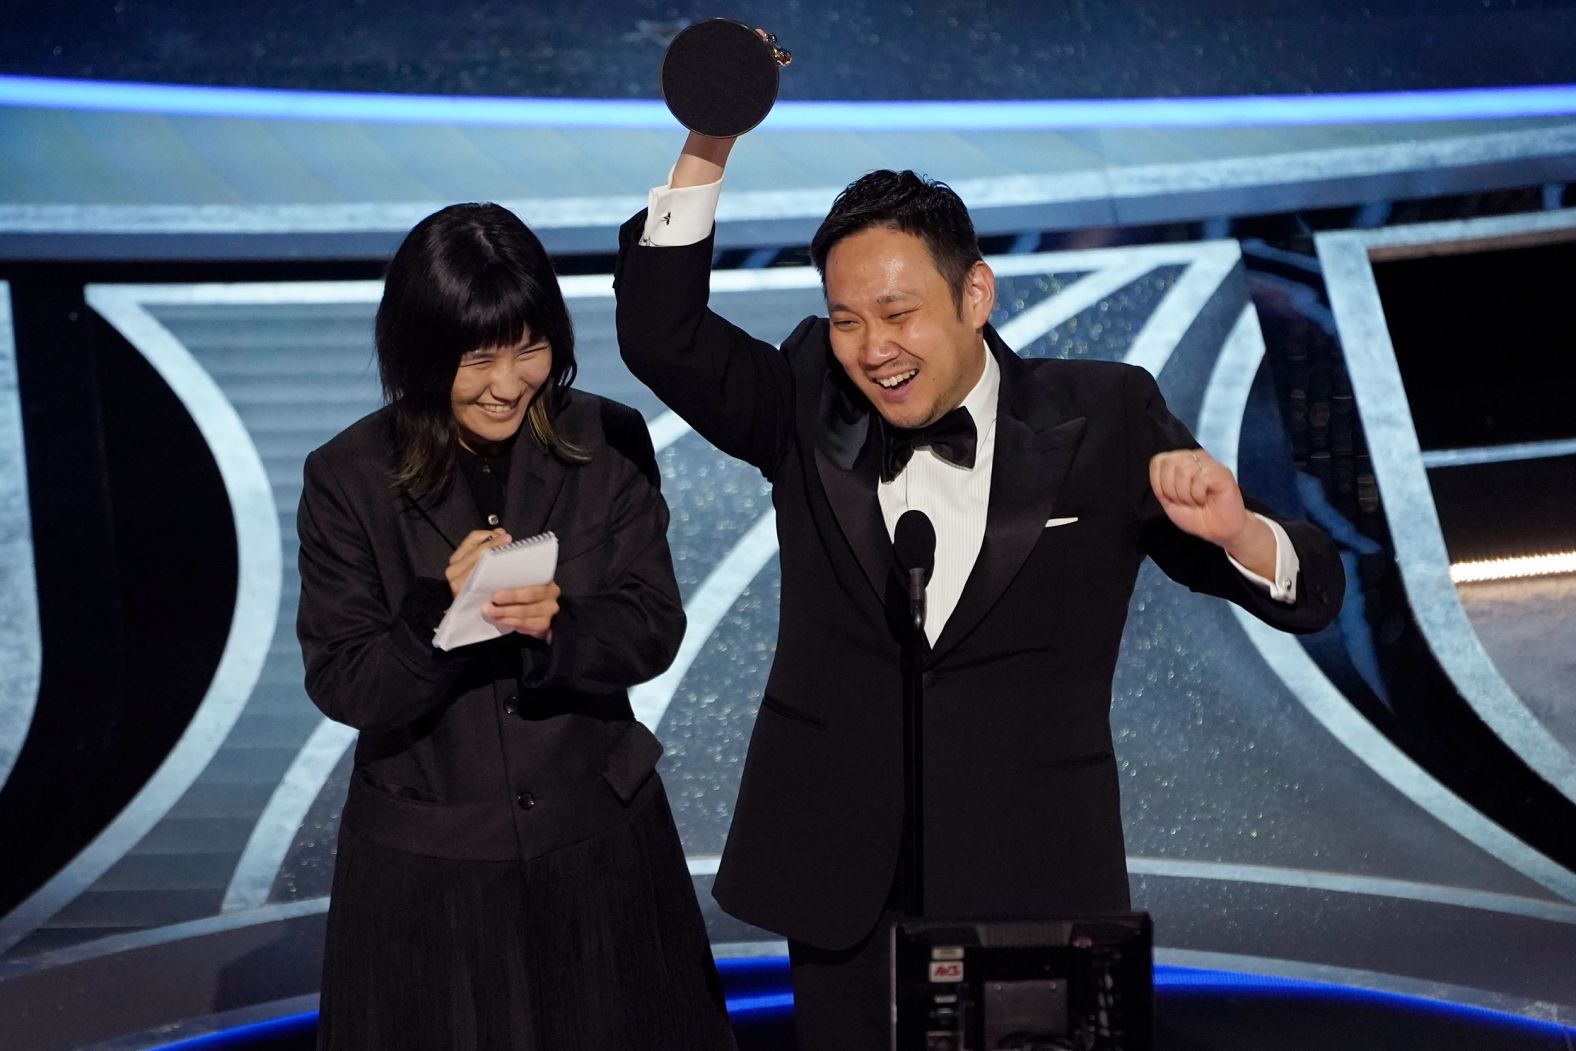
272, 1027
986, 115
772, 998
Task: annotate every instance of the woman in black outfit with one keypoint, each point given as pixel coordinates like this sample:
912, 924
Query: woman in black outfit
509, 874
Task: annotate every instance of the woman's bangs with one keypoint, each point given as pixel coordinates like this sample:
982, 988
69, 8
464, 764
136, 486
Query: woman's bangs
497, 313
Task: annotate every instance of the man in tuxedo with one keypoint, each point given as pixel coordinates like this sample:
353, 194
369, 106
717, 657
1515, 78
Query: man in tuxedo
1048, 482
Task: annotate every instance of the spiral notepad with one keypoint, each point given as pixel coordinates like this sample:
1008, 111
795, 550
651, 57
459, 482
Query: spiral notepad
518, 565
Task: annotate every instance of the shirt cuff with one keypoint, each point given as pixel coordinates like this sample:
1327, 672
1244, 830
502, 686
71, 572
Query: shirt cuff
682, 216
1284, 587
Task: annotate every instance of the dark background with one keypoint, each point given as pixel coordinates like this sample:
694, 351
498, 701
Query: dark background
859, 49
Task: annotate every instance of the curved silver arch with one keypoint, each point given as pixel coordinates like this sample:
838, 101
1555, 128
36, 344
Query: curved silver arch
1403, 479
1345, 883
1209, 264
1220, 431
172, 932
21, 649
251, 627
281, 818
704, 611
1087, 291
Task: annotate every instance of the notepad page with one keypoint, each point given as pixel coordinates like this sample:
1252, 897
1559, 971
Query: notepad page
523, 563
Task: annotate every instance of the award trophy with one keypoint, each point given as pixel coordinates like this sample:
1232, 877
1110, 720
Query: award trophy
719, 77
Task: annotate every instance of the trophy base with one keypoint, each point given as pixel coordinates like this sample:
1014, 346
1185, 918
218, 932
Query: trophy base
720, 78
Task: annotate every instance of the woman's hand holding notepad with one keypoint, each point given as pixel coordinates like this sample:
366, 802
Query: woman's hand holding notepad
523, 563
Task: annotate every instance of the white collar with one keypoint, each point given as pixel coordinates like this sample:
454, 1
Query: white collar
981, 400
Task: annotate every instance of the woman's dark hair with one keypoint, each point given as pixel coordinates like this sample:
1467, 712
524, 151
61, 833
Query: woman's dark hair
467, 277
928, 209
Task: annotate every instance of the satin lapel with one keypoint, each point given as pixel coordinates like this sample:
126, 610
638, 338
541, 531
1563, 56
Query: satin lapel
1036, 439
847, 457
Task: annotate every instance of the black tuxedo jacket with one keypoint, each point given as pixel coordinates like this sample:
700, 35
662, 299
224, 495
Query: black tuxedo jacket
1021, 806
508, 748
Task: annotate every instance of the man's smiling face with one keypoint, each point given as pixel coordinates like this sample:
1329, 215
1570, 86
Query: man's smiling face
908, 346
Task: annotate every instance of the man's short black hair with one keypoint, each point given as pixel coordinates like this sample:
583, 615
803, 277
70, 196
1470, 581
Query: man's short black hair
905, 201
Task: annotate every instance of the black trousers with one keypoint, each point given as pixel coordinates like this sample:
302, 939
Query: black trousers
841, 997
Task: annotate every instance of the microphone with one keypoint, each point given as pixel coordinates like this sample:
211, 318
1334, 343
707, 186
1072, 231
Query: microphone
914, 543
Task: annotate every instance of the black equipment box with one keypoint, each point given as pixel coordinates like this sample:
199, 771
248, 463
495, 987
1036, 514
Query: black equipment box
1034, 985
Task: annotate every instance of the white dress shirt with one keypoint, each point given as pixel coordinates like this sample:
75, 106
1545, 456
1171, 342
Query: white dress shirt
956, 499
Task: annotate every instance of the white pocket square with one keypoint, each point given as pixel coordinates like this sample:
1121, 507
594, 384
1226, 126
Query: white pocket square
1050, 522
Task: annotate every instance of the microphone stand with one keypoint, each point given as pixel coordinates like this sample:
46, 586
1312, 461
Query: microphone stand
914, 547
914, 745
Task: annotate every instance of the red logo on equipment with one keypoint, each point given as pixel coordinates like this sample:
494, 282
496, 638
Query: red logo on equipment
946, 970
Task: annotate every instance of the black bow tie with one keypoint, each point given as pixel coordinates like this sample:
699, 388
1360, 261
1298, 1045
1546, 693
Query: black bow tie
951, 438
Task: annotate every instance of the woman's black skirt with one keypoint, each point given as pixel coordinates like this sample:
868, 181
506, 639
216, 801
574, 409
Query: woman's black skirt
597, 946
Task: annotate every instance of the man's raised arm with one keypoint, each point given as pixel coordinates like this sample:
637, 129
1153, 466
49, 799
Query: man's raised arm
734, 389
